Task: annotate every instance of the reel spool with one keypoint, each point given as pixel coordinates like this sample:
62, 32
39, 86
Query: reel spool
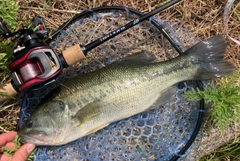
165, 133
29, 70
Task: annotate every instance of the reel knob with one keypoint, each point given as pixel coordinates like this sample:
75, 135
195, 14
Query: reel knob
4, 30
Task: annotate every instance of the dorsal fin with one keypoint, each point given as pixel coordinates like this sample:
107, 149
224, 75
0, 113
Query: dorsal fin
139, 58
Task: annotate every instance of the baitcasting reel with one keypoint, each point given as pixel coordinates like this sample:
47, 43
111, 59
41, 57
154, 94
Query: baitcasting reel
35, 63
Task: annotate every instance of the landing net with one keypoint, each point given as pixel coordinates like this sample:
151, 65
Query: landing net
158, 134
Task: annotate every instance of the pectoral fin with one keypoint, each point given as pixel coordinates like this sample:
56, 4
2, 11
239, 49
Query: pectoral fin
89, 112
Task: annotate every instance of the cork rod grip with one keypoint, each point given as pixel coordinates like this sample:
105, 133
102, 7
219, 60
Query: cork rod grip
73, 54
9, 90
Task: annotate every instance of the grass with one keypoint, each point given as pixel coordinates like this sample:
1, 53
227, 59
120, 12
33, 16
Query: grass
228, 152
10, 151
236, 13
5, 55
8, 11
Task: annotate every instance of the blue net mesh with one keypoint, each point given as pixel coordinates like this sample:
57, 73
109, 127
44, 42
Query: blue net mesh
157, 134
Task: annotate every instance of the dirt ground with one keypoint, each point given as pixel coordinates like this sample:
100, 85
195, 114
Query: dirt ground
203, 18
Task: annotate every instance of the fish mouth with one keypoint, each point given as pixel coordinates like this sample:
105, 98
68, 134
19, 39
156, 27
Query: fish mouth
36, 140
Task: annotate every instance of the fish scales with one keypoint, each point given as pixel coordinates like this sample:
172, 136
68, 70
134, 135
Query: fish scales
119, 85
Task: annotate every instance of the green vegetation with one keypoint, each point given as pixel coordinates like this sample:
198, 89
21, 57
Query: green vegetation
225, 97
5, 54
230, 151
10, 151
236, 13
8, 11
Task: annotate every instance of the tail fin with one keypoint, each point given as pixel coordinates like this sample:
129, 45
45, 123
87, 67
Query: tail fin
209, 54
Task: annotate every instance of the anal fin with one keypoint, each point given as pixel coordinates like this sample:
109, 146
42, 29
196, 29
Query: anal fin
96, 128
164, 96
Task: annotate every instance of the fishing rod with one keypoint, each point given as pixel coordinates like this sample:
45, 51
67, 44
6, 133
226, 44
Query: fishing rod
36, 64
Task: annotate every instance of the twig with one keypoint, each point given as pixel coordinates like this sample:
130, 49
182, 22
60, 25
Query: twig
6, 107
4, 130
53, 9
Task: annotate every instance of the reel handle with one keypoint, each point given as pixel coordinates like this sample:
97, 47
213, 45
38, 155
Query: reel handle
72, 55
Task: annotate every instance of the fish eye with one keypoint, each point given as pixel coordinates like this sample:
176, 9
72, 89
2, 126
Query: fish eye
28, 123
61, 104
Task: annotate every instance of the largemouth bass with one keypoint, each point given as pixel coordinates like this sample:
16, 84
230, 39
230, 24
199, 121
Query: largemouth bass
135, 84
